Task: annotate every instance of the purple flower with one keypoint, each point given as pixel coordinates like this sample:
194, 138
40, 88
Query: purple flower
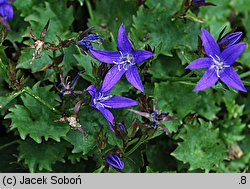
102, 102
115, 161
202, 3
218, 64
6, 10
231, 39
88, 40
124, 61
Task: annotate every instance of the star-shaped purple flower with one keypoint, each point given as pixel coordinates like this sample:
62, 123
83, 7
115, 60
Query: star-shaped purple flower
218, 64
102, 102
124, 61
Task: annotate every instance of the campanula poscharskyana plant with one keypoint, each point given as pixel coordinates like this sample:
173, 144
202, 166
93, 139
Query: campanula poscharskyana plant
102, 102
115, 161
124, 61
6, 10
218, 64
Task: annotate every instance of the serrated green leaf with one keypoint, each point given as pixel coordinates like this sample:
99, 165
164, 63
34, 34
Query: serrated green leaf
155, 25
61, 18
41, 156
4, 72
5, 100
201, 147
36, 120
118, 12
174, 97
40, 62
82, 144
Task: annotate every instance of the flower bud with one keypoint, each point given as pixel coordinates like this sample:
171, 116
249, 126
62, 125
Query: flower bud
120, 130
231, 39
115, 161
6, 11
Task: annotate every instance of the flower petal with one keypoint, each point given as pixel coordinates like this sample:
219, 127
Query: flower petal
119, 102
107, 114
111, 78
210, 45
200, 63
141, 55
133, 77
208, 79
92, 90
106, 56
231, 39
123, 43
231, 78
230, 54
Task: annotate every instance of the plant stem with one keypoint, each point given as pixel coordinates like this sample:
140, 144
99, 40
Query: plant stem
99, 170
89, 9
245, 74
9, 144
246, 83
29, 92
135, 147
177, 79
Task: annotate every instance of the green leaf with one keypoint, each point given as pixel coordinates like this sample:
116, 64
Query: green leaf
40, 62
41, 156
80, 142
91, 120
201, 147
118, 12
4, 72
36, 120
155, 26
61, 18
174, 97
5, 100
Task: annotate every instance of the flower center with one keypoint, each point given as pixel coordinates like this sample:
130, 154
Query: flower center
218, 64
125, 62
99, 101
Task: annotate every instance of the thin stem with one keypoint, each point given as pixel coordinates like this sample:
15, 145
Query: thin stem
177, 79
189, 74
135, 147
99, 170
9, 144
246, 74
89, 9
246, 83
29, 92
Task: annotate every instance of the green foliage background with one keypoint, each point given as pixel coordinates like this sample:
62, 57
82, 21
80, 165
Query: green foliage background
212, 133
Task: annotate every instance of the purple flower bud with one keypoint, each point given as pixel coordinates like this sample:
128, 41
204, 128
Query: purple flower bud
198, 2
201, 3
115, 161
120, 130
87, 41
231, 39
6, 11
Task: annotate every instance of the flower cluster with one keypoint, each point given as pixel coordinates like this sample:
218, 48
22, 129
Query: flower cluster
124, 61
